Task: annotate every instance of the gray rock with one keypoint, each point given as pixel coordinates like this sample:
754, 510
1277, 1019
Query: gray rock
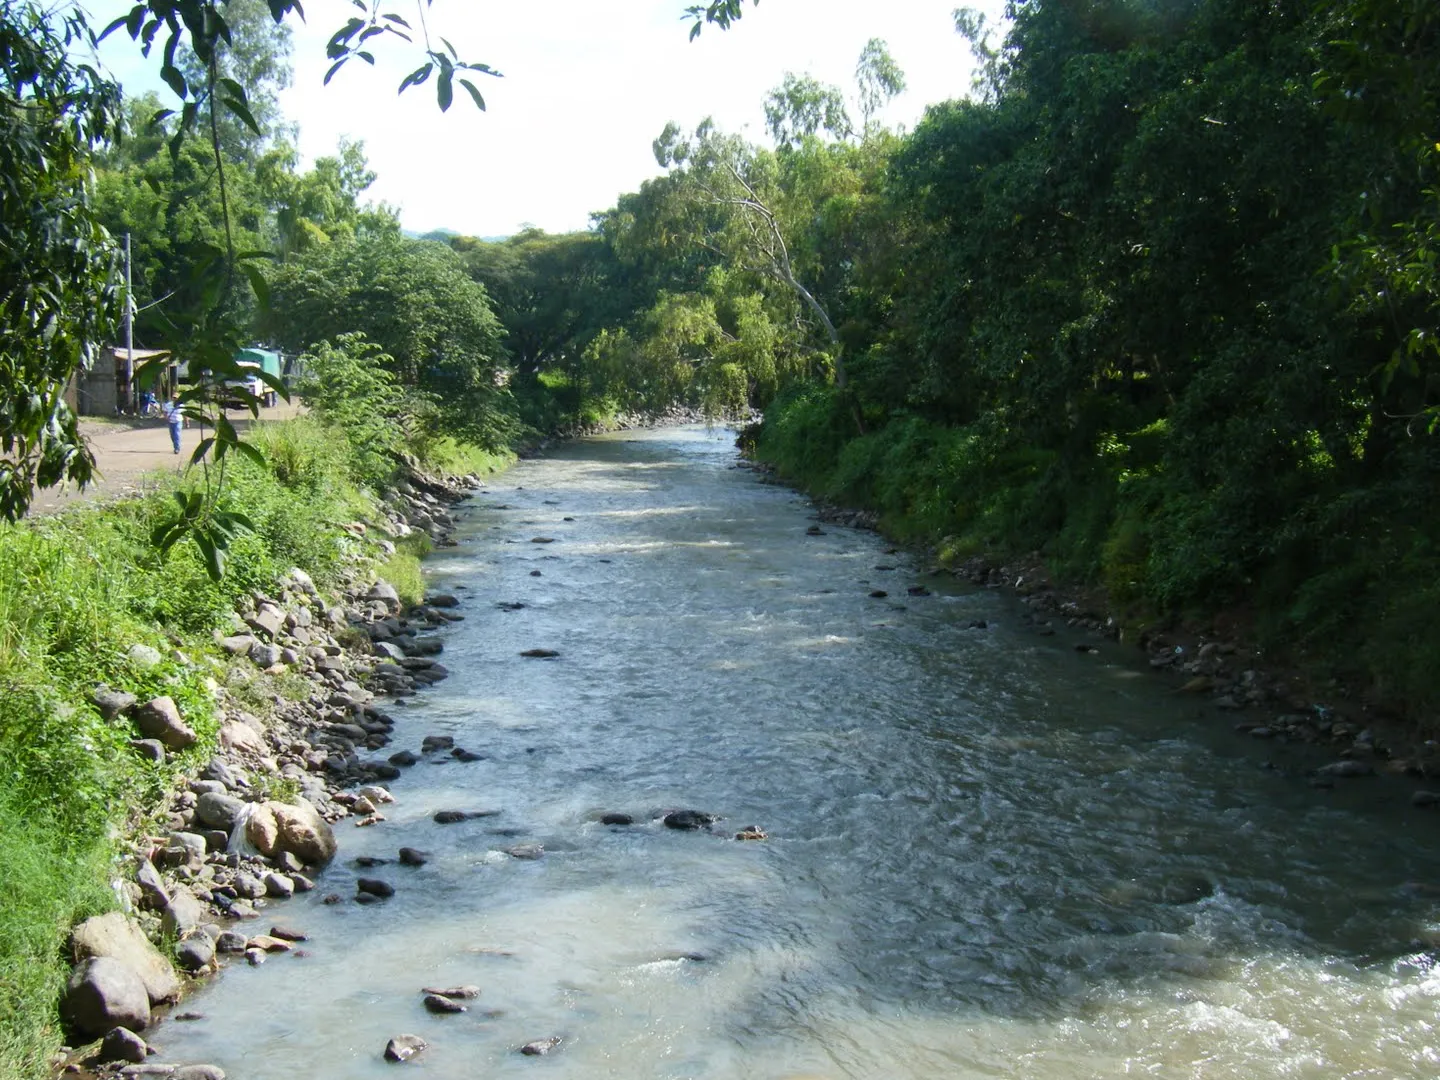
456, 993
437, 1003
443, 600
149, 749
404, 1047
113, 936
159, 719
111, 703
198, 1072
375, 887
301, 883
409, 856
207, 786
1425, 798
1346, 769
279, 886
540, 1047
288, 862
383, 592
267, 621
249, 886
230, 942
189, 846
122, 1044
237, 644
153, 893
688, 820
219, 810
104, 993
195, 952
183, 915
426, 646
388, 650
143, 656
265, 655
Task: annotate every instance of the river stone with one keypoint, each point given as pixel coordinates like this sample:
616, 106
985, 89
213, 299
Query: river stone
115, 937
183, 915
540, 1047
219, 810
153, 893
237, 644
617, 819
104, 993
122, 1044
297, 828
425, 646
111, 703
455, 993
143, 656
525, 851
461, 754
264, 655
443, 600
540, 654
287, 862
288, 933
375, 887
230, 941
388, 649
404, 1047
688, 820
249, 886
241, 737
196, 1072
383, 592
1346, 769
437, 1003
195, 952
436, 742
159, 719
266, 621
279, 886
149, 749
409, 856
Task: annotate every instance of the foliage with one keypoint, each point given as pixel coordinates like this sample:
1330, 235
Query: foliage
58, 289
413, 299
352, 389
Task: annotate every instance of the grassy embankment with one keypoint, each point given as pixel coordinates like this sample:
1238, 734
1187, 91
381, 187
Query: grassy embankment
76, 592
1345, 584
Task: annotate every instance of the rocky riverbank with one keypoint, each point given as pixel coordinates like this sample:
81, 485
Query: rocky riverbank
1218, 662
206, 876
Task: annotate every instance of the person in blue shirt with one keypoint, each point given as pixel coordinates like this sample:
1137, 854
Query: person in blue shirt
176, 419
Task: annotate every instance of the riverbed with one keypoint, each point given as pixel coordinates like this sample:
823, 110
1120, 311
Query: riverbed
989, 854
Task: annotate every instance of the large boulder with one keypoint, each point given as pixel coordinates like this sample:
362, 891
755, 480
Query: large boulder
104, 993
298, 828
385, 593
159, 719
115, 937
219, 810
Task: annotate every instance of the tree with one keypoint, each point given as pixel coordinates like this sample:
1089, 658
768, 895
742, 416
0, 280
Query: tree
725, 193
877, 79
801, 107
412, 299
58, 288
255, 55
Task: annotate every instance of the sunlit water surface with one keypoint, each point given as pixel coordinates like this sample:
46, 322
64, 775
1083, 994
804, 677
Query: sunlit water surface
989, 854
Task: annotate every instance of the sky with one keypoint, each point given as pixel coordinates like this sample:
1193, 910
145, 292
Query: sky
587, 87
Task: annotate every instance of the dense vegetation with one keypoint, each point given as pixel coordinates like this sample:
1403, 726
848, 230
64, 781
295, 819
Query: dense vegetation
1159, 301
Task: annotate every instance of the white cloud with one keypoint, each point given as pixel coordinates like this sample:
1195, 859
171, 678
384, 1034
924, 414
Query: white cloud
587, 86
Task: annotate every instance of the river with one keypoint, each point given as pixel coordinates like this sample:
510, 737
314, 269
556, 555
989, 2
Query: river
989, 854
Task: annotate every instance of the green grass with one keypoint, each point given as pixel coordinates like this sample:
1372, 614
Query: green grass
403, 568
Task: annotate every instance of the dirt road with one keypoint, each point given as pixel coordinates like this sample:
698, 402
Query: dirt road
128, 453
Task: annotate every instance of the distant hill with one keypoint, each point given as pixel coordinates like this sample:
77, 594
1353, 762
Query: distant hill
446, 235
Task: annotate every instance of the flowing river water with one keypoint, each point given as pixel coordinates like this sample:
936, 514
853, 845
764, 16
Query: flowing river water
989, 856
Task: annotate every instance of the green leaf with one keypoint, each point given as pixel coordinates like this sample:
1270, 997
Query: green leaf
333, 69
252, 452
214, 556
416, 77
202, 450
174, 79
444, 92
257, 283
474, 93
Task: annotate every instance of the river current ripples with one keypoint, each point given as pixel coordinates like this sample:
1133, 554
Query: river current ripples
990, 855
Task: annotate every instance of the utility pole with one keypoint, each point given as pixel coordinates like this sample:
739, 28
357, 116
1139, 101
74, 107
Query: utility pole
129, 330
